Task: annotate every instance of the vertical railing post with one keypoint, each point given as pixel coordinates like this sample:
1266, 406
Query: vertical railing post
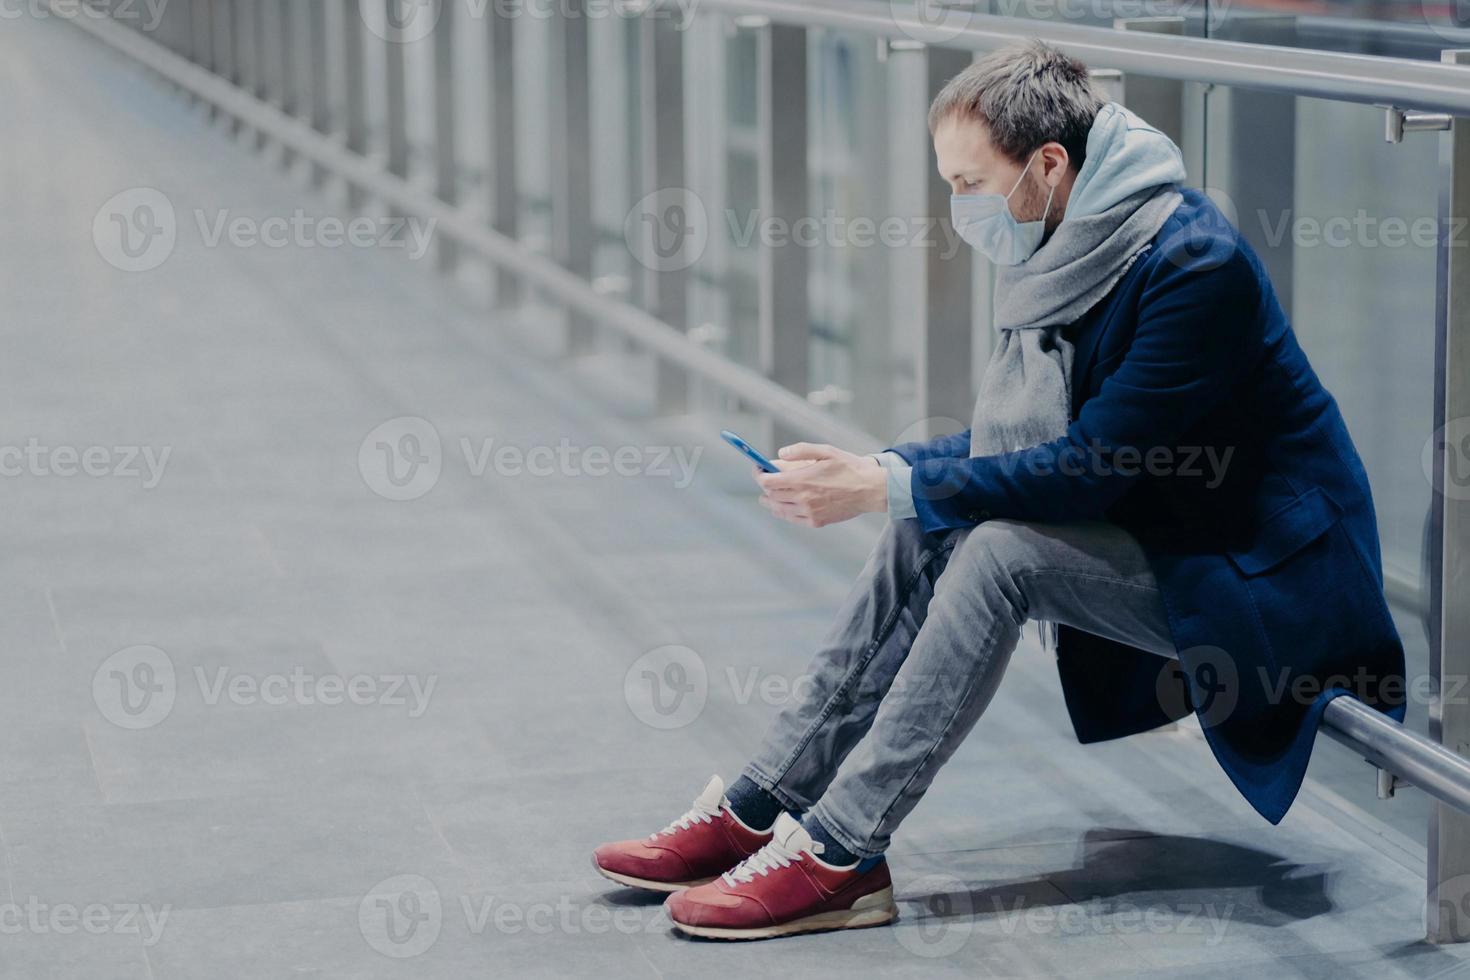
906, 168
944, 383
504, 200
446, 156
1448, 877
201, 42
321, 97
1160, 101
781, 107
177, 16
1176, 108
354, 80
264, 41
287, 86
199, 34
660, 87
573, 231
246, 43
1259, 175
932, 293
396, 108
226, 58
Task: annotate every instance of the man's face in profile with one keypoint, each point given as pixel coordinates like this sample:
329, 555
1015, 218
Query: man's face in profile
971, 164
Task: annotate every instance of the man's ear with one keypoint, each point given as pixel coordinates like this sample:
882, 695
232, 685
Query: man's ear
1054, 163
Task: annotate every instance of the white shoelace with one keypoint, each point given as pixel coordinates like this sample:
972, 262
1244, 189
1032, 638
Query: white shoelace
699, 813
762, 863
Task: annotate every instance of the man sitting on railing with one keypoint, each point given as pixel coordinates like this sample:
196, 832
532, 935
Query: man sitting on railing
1153, 466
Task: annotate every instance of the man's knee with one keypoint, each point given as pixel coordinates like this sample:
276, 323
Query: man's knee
996, 556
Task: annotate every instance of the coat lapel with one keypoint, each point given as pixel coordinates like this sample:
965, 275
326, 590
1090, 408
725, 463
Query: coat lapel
1090, 330
1084, 352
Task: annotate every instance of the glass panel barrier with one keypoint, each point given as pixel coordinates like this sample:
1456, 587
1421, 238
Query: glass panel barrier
1361, 232
851, 368
720, 66
533, 64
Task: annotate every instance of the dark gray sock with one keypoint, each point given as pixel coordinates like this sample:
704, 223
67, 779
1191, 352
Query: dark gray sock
832, 850
755, 807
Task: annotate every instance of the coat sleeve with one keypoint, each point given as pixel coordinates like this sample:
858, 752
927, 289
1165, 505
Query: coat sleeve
956, 446
1197, 333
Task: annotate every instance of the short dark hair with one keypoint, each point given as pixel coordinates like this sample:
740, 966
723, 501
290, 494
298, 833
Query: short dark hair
1026, 95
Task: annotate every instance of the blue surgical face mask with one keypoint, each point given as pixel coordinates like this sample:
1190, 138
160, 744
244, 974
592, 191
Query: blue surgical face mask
986, 223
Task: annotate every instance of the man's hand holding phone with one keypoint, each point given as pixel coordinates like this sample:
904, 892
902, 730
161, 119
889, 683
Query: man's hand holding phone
819, 485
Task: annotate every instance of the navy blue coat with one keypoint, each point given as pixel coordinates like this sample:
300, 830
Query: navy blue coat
1199, 426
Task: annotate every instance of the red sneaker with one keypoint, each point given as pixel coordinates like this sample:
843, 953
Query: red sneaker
690, 851
786, 888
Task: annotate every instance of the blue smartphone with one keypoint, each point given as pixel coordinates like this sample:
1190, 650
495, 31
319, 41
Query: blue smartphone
749, 451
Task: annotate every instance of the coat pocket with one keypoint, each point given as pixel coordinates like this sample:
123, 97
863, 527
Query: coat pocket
1286, 532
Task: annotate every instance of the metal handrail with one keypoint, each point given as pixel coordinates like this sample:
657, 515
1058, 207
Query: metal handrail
751, 387
1293, 71
1414, 759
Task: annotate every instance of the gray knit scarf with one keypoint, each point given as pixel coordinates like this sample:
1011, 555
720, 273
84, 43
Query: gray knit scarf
1026, 392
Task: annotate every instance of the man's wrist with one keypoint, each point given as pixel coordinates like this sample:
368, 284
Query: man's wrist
878, 490
898, 500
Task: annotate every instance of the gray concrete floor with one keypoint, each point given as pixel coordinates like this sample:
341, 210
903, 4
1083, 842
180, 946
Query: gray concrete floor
268, 834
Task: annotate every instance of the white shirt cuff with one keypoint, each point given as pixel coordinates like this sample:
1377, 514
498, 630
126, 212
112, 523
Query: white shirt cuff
900, 485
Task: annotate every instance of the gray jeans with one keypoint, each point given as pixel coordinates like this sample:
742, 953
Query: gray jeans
919, 648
